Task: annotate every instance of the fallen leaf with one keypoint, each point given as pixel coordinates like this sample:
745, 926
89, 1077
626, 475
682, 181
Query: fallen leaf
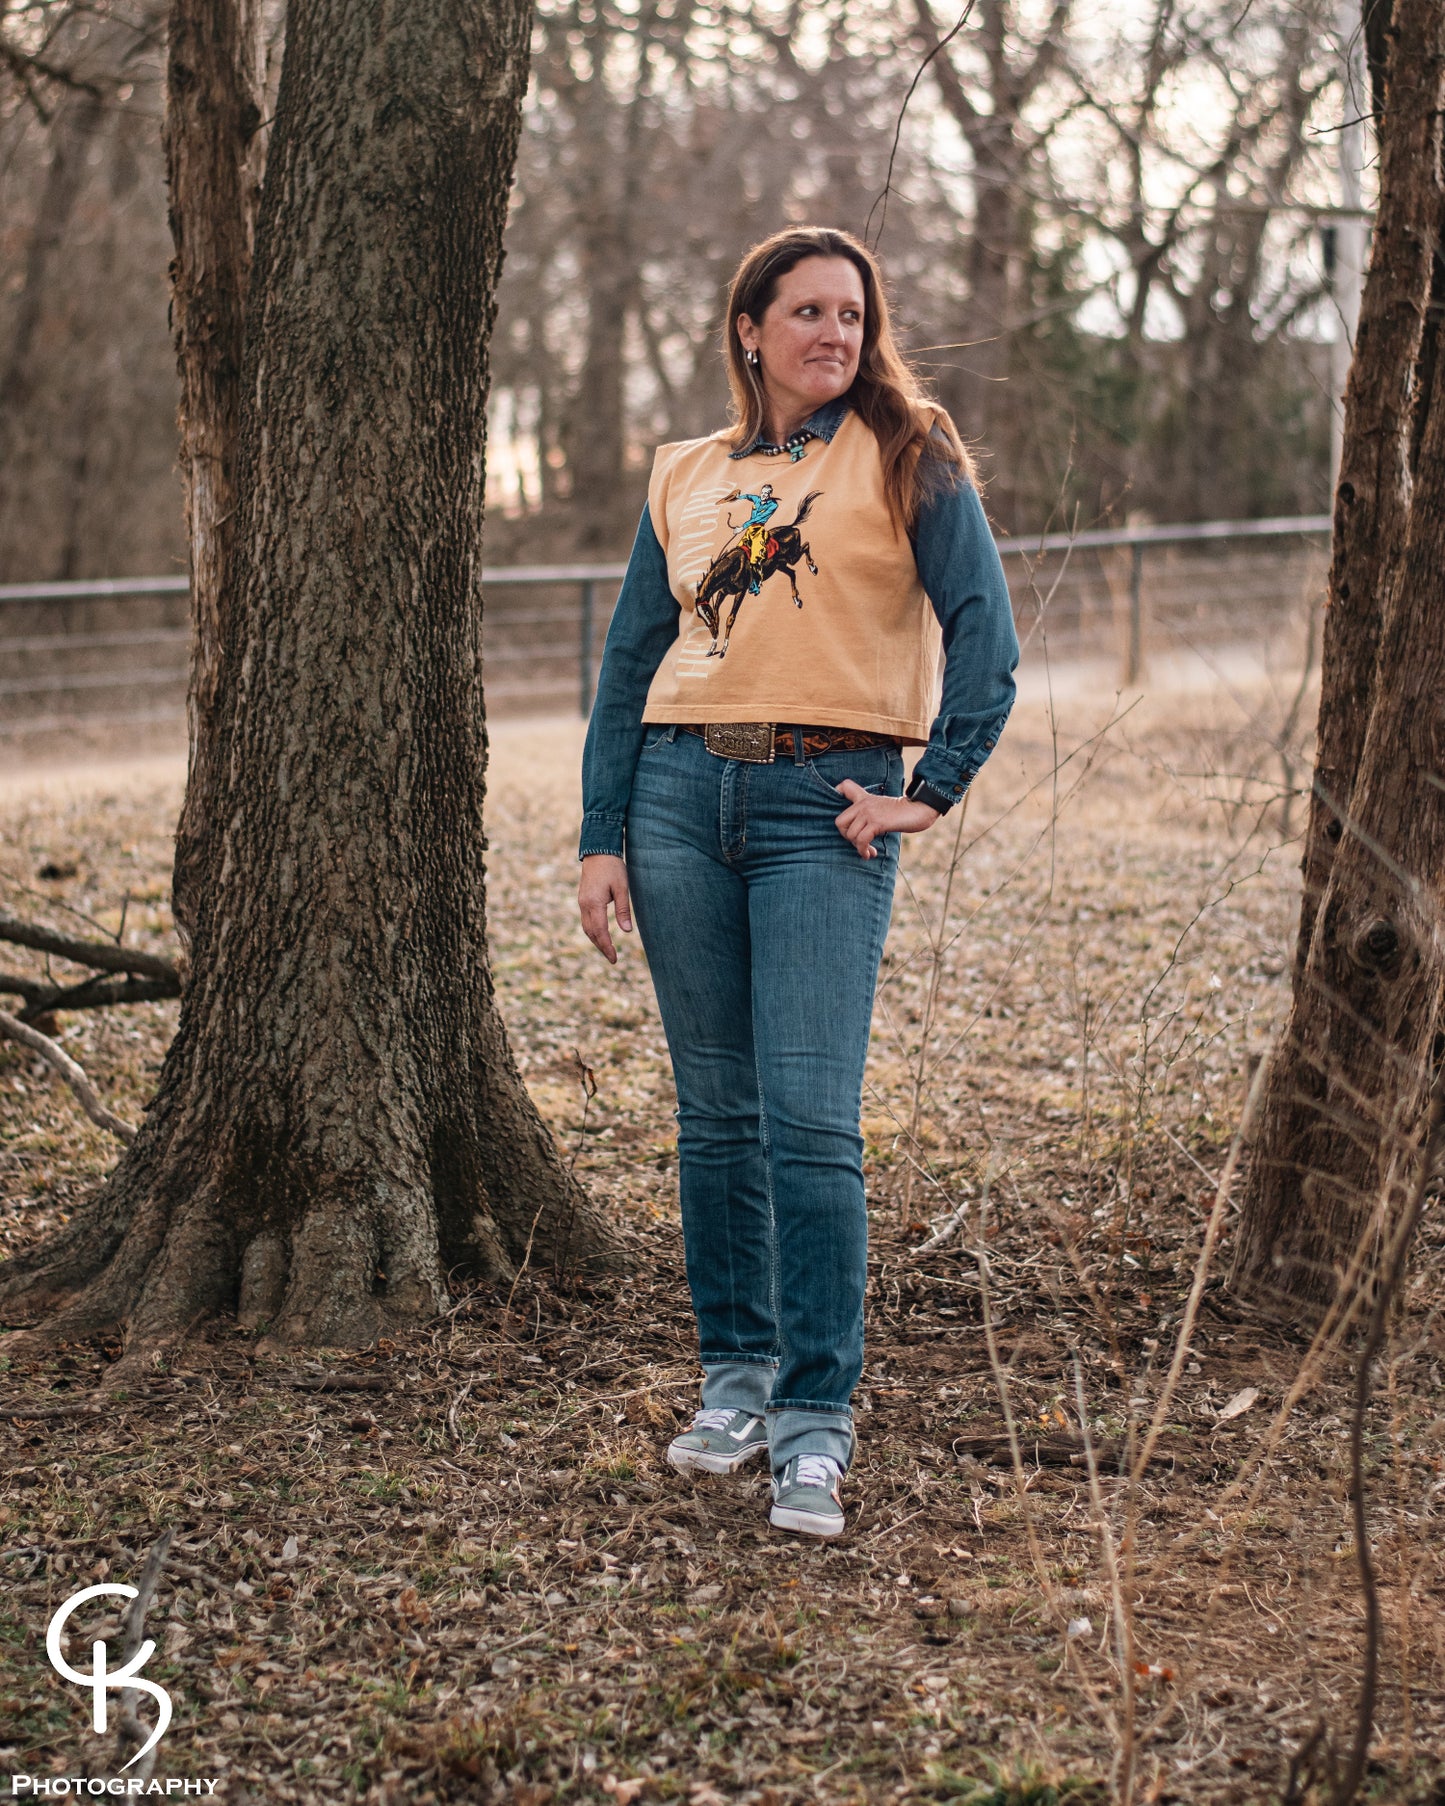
411, 1605
1238, 1405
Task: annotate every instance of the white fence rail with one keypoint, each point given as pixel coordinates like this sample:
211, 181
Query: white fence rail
113, 651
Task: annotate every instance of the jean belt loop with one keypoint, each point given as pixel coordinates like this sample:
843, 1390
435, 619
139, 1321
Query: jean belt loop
671, 733
798, 746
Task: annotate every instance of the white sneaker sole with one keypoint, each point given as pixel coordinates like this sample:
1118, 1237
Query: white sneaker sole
695, 1461
811, 1523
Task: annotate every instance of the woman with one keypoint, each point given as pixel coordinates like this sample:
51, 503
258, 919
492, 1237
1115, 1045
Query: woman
772, 649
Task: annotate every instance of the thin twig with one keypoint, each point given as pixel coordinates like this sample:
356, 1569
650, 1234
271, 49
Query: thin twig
887, 187
132, 1626
452, 1410
1213, 1229
1021, 1485
1388, 1285
930, 1002
1123, 1617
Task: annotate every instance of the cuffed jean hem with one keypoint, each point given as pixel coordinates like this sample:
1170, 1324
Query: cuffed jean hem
738, 1383
792, 1431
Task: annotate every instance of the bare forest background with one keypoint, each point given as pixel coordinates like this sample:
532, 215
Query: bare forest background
1109, 232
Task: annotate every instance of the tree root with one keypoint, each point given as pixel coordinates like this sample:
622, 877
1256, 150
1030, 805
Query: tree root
310, 1226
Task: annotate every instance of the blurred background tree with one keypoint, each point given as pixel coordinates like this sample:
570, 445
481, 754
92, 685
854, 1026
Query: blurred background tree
1103, 230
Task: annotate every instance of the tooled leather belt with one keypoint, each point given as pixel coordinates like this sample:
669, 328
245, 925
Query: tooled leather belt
760, 742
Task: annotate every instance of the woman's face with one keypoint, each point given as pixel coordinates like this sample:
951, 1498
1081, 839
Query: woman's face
810, 335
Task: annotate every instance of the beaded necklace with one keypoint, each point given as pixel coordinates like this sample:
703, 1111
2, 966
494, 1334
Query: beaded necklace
795, 445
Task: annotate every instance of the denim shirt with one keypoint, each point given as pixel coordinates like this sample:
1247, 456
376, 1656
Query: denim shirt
959, 568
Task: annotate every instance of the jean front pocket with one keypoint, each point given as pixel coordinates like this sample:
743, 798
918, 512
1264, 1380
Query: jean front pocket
657, 736
870, 768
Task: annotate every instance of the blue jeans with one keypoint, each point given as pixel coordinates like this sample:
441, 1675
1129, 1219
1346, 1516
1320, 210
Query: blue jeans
763, 930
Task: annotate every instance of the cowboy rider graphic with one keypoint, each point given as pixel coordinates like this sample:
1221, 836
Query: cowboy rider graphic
753, 534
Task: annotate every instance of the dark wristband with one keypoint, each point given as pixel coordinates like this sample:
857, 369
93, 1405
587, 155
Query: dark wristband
921, 791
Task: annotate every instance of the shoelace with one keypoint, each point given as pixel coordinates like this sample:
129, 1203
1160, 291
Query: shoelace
818, 1470
712, 1420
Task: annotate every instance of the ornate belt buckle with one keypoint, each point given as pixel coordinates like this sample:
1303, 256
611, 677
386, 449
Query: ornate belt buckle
750, 740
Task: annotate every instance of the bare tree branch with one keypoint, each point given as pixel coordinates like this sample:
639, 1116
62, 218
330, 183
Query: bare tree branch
90, 994
13, 1029
103, 956
1399, 1253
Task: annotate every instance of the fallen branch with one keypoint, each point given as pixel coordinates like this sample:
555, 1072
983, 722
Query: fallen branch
1045, 1451
41, 1413
90, 994
13, 1029
945, 1231
102, 956
1055, 1449
335, 1382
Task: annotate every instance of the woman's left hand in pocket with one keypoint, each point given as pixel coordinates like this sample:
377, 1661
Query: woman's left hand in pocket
869, 816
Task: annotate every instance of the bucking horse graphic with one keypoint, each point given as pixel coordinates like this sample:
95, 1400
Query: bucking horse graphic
745, 564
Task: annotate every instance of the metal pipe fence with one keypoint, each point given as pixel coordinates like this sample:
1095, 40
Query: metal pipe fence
85, 653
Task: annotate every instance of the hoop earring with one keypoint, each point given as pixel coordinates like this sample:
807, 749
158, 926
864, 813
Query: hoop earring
752, 357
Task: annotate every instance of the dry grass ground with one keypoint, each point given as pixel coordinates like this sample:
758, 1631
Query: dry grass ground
459, 1569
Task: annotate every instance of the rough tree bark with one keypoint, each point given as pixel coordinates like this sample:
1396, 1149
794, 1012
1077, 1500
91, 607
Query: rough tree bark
215, 85
1372, 498
339, 1124
1352, 1068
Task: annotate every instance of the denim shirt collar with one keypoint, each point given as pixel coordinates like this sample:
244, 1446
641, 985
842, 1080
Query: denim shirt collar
822, 423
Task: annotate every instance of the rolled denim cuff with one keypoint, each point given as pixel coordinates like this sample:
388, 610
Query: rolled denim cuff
744, 1385
792, 1432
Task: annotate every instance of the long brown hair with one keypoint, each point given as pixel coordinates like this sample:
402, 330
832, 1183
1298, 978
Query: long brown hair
886, 393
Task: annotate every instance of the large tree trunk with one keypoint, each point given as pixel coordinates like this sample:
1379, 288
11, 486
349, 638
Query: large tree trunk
340, 1126
1372, 498
1351, 1070
213, 142
596, 440
996, 250
27, 458
607, 200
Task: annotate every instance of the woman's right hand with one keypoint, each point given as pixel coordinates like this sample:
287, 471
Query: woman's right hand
604, 884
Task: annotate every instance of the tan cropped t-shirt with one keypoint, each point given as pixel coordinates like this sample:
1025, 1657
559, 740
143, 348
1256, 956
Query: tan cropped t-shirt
800, 598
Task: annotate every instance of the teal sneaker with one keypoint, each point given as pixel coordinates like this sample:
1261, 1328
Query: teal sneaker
719, 1442
807, 1496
